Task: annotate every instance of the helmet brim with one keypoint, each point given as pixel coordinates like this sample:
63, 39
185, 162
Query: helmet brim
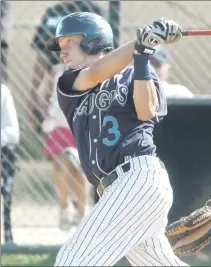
52, 45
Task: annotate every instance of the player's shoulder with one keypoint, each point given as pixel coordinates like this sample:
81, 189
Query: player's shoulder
67, 79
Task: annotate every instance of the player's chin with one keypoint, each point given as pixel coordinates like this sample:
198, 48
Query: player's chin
70, 65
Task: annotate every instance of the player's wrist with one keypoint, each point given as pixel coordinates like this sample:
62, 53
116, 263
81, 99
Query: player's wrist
141, 49
141, 67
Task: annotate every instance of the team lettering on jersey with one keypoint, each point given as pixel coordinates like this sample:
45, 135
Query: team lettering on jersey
102, 100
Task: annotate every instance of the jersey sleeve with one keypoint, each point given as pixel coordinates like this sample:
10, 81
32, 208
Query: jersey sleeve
69, 98
66, 81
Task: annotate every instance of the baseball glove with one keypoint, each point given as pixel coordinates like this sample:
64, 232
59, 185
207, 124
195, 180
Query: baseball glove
190, 234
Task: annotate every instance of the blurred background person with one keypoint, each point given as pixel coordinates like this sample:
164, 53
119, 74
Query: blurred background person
6, 34
48, 118
162, 64
60, 147
10, 136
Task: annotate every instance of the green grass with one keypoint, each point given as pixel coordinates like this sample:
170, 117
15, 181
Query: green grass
28, 259
47, 259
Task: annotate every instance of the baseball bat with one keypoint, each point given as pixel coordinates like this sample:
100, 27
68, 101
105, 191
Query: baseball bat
196, 32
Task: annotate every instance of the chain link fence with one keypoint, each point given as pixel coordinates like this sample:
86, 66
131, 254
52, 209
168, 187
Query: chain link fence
35, 210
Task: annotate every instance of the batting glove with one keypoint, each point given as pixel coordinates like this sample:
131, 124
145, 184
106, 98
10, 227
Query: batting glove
161, 31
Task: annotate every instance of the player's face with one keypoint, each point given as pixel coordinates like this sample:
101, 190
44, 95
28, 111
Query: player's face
71, 53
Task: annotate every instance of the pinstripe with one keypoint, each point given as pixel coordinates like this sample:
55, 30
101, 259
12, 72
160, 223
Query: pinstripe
137, 231
131, 217
139, 249
137, 257
125, 208
118, 208
114, 228
132, 262
134, 252
177, 262
154, 248
150, 251
147, 260
111, 206
97, 217
110, 227
166, 259
149, 255
133, 233
163, 253
87, 230
106, 215
78, 235
146, 161
163, 211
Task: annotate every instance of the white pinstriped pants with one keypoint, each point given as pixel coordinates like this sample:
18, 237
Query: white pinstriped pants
129, 220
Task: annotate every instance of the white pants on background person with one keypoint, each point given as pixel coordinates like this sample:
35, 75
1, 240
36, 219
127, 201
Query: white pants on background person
129, 220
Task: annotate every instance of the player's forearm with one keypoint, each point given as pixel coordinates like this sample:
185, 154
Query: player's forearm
105, 68
145, 99
113, 63
145, 95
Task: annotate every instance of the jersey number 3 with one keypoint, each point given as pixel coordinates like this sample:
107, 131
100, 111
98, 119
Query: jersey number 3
112, 130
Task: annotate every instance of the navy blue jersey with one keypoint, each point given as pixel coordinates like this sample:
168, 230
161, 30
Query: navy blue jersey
104, 122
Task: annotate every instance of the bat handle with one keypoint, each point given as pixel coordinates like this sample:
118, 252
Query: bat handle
196, 32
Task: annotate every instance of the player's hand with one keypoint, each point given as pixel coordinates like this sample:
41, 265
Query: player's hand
160, 32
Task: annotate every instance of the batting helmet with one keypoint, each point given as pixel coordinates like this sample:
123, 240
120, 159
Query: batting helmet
98, 35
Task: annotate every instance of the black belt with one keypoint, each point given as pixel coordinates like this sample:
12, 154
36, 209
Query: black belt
111, 177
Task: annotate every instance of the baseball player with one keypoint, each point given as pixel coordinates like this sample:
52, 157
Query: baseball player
112, 107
